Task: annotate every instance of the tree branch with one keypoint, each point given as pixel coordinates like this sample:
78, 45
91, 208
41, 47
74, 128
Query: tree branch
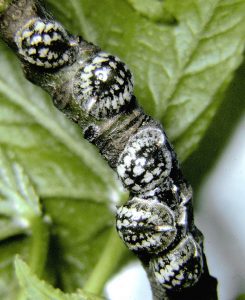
95, 90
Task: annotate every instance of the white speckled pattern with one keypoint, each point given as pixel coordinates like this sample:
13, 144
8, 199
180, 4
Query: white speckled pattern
146, 225
43, 43
145, 161
103, 86
181, 266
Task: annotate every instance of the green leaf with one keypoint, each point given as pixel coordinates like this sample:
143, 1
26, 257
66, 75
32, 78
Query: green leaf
39, 290
4, 5
154, 10
9, 228
82, 232
9, 288
181, 71
20, 213
18, 200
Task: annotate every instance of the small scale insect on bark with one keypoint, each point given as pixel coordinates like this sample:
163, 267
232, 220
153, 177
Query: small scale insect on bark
44, 43
103, 86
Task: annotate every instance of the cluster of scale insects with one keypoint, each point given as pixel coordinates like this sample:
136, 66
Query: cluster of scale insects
156, 223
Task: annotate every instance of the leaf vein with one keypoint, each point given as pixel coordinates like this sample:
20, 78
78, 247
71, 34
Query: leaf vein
194, 47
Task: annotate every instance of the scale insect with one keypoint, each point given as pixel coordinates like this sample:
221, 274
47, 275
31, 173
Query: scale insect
145, 161
44, 43
103, 86
181, 266
146, 225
